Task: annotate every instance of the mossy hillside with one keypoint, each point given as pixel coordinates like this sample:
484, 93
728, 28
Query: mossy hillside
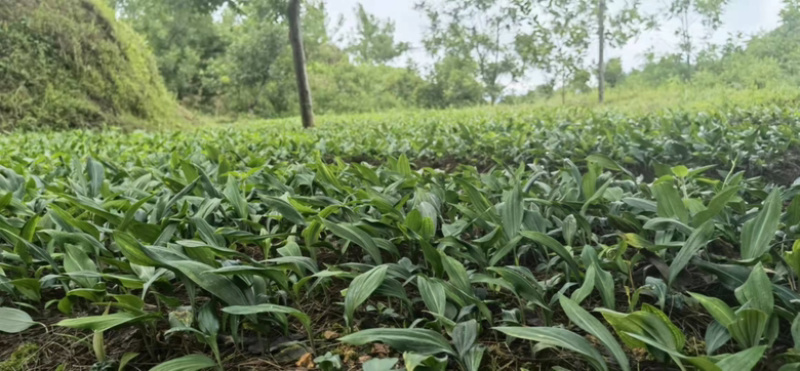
69, 63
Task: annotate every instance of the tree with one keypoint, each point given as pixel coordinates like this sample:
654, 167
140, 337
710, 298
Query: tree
184, 39
255, 74
558, 39
561, 32
452, 83
296, 39
688, 12
601, 40
615, 28
613, 73
373, 41
781, 43
480, 31
580, 81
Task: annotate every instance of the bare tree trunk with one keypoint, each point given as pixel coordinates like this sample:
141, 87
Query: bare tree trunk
687, 39
296, 39
601, 64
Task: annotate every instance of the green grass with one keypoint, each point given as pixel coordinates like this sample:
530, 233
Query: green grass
679, 96
436, 233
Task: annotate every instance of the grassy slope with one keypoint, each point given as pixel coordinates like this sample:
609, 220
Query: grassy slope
68, 63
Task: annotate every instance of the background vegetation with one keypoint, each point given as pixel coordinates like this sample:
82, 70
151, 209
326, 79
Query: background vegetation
236, 59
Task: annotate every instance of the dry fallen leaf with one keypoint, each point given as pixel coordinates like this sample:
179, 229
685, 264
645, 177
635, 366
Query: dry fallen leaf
330, 335
307, 361
350, 354
364, 359
381, 350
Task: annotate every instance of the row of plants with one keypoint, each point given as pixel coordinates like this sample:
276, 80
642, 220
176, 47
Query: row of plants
762, 140
201, 244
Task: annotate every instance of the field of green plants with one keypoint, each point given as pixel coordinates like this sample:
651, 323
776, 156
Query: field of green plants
481, 239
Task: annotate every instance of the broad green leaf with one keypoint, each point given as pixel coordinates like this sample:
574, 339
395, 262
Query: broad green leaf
587, 287
245, 310
555, 246
27, 234
361, 288
644, 205
96, 176
717, 308
749, 327
511, 212
417, 340
525, 285
131, 213
745, 360
286, 209
757, 233
664, 224
456, 272
464, 336
220, 286
14, 321
193, 362
793, 258
355, 235
793, 212
423, 362
30, 288
133, 250
33, 250
693, 244
472, 360
207, 233
403, 166
428, 219
680, 171
433, 294
668, 200
234, 196
757, 290
569, 227
125, 359
716, 336
677, 335
588, 323
77, 261
93, 207
596, 196
716, 205
104, 322
207, 320
604, 282
380, 364
558, 338
795, 329
606, 162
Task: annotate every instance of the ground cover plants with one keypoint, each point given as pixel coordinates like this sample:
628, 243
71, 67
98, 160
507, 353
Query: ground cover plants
458, 240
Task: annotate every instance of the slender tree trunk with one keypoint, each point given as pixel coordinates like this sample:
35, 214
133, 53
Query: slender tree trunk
687, 39
601, 64
296, 39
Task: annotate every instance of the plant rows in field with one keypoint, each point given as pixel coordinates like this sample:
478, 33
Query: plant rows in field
762, 141
217, 240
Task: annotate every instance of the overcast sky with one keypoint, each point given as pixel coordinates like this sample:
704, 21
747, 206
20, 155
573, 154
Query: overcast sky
747, 16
